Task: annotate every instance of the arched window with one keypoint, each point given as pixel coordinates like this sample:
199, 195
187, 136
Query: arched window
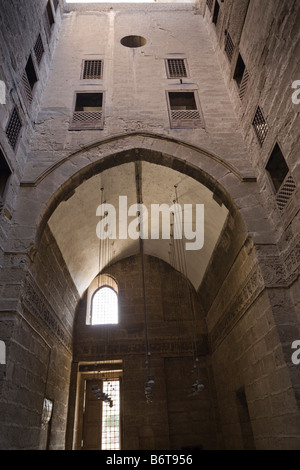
104, 308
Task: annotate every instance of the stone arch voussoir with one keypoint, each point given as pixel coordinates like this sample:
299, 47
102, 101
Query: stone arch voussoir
233, 186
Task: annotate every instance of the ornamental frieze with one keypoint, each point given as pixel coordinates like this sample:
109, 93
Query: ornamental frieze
283, 270
245, 296
90, 350
34, 301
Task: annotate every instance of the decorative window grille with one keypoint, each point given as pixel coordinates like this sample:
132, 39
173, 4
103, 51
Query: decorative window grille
110, 436
283, 182
27, 92
229, 47
39, 49
241, 76
244, 85
184, 111
285, 192
13, 128
29, 78
260, 126
50, 13
92, 69
104, 307
88, 113
176, 68
209, 3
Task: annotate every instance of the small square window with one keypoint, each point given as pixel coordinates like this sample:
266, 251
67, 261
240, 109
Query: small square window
48, 18
239, 70
50, 13
176, 68
184, 110
39, 49
4, 175
277, 167
260, 126
29, 79
92, 69
13, 128
88, 112
26, 89
216, 13
241, 76
283, 182
229, 47
210, 3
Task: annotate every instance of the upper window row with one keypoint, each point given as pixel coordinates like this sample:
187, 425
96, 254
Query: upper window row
93, 69
183, 106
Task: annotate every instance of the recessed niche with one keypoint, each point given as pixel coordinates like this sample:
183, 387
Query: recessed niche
133, 41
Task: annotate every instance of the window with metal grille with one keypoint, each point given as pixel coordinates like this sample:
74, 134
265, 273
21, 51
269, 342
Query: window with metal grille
29, 79
110, 435
241, 76
260, 126
4, 175
88, 113
216, 13
48, 18
92, 69
26, 89
50, 13
39, 49
283, 182
176, 68
209, 3
184, 110
104, 310
285, 192
229, 47
277, 167
13, 128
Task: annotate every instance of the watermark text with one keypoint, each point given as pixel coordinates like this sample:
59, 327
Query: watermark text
296, 354
2, 92
296, 94
161, 221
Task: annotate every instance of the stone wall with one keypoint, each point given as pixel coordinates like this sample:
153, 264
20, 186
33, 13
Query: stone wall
250, 330
21, 24
174, 420
134, 81
267, 43
248, 308
38, 337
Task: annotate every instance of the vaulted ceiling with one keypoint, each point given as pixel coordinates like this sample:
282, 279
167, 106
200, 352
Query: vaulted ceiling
74, 222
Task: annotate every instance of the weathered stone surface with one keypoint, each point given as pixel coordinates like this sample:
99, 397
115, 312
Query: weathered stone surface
248, 304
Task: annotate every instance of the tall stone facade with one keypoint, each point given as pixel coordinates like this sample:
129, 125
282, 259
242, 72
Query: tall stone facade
203, 95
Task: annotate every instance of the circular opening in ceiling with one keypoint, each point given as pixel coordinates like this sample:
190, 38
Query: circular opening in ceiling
133, 41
